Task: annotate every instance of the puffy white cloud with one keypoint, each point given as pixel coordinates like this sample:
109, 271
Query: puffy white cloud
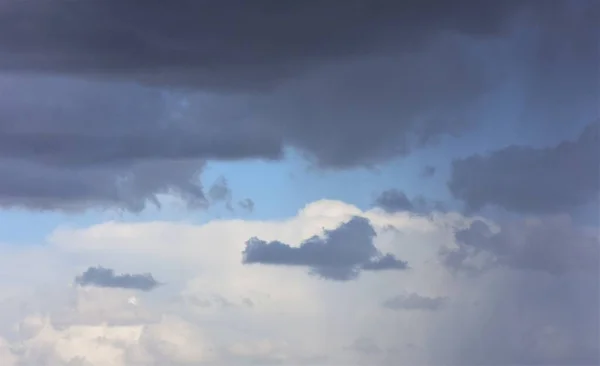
212, 309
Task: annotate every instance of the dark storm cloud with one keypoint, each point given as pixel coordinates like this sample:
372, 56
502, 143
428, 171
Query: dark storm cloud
247, 204
532, 180
104, 277
340, 255
240, 45
73, 144
553, 245
346, 82
394, 200
414, 302
227, 42
74, 123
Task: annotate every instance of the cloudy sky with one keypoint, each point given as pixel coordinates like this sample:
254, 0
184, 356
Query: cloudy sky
365, 182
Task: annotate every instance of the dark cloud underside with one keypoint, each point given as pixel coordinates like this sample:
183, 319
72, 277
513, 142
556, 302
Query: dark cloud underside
341, 254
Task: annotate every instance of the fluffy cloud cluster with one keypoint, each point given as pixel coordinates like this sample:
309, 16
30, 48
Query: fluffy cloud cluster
536, 302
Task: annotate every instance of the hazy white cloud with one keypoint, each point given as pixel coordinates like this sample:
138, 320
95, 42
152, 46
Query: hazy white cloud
202, 314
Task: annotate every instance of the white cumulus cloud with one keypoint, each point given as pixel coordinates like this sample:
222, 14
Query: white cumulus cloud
214, 310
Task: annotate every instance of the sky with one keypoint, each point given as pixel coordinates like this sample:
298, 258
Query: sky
299, 183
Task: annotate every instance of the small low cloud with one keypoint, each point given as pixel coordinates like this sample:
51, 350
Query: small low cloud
394, 200
428, 171
414, 302
105, 277
220, 192
340, 254
247, 205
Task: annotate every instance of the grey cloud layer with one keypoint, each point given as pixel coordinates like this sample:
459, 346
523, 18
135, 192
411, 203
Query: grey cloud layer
527, 318
546, 291
532, 180
104, 277
341, 254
